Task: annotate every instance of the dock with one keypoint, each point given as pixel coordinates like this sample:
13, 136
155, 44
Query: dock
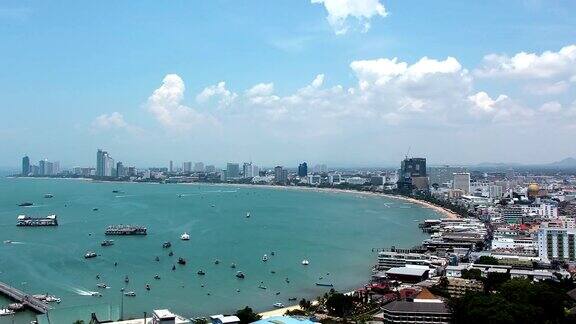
23, 298
125, 230
24, 220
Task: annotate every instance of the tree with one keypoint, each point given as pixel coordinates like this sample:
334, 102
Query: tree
486, 259
339, 305
305, 304
247, 315
473, 273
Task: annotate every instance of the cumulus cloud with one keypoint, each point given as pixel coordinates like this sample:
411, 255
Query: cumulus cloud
340, 12
166, 105
109, 121
224, 96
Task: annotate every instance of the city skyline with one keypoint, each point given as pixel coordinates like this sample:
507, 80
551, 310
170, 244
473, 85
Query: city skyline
359, 84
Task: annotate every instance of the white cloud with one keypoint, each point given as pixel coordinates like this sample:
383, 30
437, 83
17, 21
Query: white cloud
226, 97
339, 12
167, 107
551, 107
318, 81
109, 121
483, 104
548, 65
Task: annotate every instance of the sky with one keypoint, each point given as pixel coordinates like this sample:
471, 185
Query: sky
277, 82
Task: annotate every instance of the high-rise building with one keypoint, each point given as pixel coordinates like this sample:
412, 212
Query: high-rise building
413, 174
187, 167
443, 174
171, 166
210, 168
247, 171
25, 166
100, 163
120, 171
199, 167
320, 168
303, 170
280, 175
104, 164
462, 182
232, 171
556, 244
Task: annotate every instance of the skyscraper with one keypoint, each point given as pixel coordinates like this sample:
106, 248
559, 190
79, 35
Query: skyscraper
199, 167
233, 170
25, 166
303, 170
187, 167
104, 164
413, 174
100, 163
120, 172
42, 167
462, 182
171, 166
248, 170
280, 175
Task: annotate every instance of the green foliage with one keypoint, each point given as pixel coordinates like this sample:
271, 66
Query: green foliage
515, 301
247, 315
486, 259
475, 274
295, 312
78, 322
305, 304
494, 280
339, 305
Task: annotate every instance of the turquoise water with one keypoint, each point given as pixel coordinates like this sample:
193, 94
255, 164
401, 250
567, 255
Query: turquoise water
335, 231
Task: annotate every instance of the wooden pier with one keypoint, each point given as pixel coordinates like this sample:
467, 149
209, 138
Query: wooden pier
23, 298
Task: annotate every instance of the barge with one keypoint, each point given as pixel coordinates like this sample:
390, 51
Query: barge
24, 220
125, 230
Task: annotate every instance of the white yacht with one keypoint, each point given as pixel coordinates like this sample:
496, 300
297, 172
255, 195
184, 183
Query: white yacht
6, 312
248, 215
265, 258
185, 237
278, 305
305, 262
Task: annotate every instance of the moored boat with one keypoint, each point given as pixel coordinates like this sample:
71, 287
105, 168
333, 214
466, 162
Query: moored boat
181, 261
90, 255
240, 275
278, 305
185, 237
265, 258
305, 262
107, 243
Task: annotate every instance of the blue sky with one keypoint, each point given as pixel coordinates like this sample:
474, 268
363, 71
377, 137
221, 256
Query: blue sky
80, 75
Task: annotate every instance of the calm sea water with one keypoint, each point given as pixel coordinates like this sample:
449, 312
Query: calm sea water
335, 231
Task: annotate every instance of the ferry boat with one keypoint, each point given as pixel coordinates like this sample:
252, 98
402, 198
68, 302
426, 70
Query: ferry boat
48, 195
240, 275
107, 243
125, 230
6, 312
278, 305
265, 258
24, 220
90, 255
305, 262
185, 237
25, 204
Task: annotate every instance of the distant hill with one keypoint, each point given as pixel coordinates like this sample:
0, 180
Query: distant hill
565, 163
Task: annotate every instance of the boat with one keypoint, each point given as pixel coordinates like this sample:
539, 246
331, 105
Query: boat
6, 312
262, 287
94, 209
292, 299
107, 243
15, 306
95, 294
201, 272
8, 242
25, 204
248, 215
216, 261
185, 237
130, 294
233, 266
322, 284
90, 255
171, 253
147, 287
265, 258
102, 285
181, 261
166, 244
157, 259
24, 220
278, 305
126, 280
116, 191
125, 230
272, 253
52, 299
157, 277
240, 275
305, 262
48, 195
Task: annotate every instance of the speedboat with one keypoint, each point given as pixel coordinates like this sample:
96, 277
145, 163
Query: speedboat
94, 209
107, 243
305, 262
157, 277
278, 305
265, 258
185, 237
262, 287
147, 287
233, 266
6, 312
52, 299
181, 261
7, 241
201, 272
90, 255
25, 204
216, 261
166, 245
102, 285
240, 275
130, 294
292, 299
95, 294
48, 195
248, 215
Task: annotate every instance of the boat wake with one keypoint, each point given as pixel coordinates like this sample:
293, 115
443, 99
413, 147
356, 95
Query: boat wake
84, 292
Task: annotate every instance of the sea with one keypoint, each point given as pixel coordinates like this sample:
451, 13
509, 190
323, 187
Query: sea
337, 232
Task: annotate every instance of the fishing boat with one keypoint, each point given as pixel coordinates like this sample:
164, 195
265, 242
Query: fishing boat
90, 255
181, 261
240, 275
265, 258
107, 243
248, 215
130, 294
323, 284
185, 237
102, 285
201, 272
25, 204
278, 305
48, 195
166, 244
305, 262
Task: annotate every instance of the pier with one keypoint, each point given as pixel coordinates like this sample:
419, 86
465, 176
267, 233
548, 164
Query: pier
23, 298
24, 220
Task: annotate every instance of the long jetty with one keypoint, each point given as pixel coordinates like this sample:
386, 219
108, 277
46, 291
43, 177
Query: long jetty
23, 298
